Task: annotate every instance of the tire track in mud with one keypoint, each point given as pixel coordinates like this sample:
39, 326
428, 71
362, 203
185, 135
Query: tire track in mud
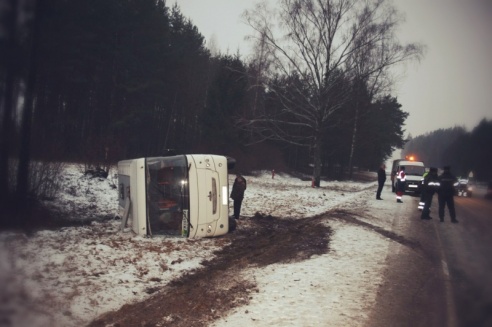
350, 217
205, 294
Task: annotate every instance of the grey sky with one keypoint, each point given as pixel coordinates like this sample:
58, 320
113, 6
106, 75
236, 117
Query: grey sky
451, 86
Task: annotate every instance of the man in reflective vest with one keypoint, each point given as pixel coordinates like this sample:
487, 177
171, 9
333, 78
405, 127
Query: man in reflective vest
422, 192
400, 184
431, 186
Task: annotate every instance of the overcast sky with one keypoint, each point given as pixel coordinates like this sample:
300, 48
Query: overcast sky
451, 86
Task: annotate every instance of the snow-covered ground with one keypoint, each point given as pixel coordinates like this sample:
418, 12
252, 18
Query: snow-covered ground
69, 276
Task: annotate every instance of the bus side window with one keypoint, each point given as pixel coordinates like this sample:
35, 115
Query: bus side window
122, 191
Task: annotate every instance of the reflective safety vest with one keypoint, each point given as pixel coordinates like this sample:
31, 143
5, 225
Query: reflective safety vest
423, 177
434, 185
401, 176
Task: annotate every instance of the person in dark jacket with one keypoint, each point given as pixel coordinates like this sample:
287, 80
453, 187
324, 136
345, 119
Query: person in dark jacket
237, 193
381, 180
430, 186
393, 177
446, 194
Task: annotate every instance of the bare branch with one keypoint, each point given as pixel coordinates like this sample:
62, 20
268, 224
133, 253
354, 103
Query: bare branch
310, 51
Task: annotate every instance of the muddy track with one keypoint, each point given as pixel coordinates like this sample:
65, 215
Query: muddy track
351, 217
208, 293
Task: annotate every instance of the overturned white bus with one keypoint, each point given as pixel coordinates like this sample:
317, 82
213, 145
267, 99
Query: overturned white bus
183, 195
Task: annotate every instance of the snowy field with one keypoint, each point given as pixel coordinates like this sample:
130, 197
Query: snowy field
68, 277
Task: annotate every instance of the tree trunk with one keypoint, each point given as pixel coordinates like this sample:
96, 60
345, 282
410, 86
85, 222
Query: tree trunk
317, 161
353, 143
5, 137
25, 146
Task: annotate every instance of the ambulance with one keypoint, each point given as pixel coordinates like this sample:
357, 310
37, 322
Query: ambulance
414, 171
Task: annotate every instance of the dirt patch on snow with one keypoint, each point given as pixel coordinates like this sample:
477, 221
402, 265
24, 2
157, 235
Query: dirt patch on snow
204, 295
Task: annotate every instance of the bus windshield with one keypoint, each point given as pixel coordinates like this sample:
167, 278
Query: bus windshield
167, 194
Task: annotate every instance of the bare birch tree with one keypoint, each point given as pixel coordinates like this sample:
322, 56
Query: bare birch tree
375, 52
319, 43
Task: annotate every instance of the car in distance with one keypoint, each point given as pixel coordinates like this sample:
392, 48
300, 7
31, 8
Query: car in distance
463, 188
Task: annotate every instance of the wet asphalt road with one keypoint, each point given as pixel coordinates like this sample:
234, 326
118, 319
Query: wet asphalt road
442, 274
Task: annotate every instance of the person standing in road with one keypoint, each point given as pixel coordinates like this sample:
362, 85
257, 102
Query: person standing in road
430, 186
381, 180
422, 192
400, 184
237, 193
393, 176
446, 194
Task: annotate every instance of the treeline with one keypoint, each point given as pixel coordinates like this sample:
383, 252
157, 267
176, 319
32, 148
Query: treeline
100, 81
464, 151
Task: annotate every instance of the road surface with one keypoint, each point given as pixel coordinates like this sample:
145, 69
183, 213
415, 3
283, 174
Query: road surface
441, 274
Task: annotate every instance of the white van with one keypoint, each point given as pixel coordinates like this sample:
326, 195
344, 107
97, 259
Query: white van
183, 195
414, 171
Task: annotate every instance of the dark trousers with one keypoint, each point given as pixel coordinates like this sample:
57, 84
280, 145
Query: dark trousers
237, 207
380, 188
449, 201
423, 194
427, 199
